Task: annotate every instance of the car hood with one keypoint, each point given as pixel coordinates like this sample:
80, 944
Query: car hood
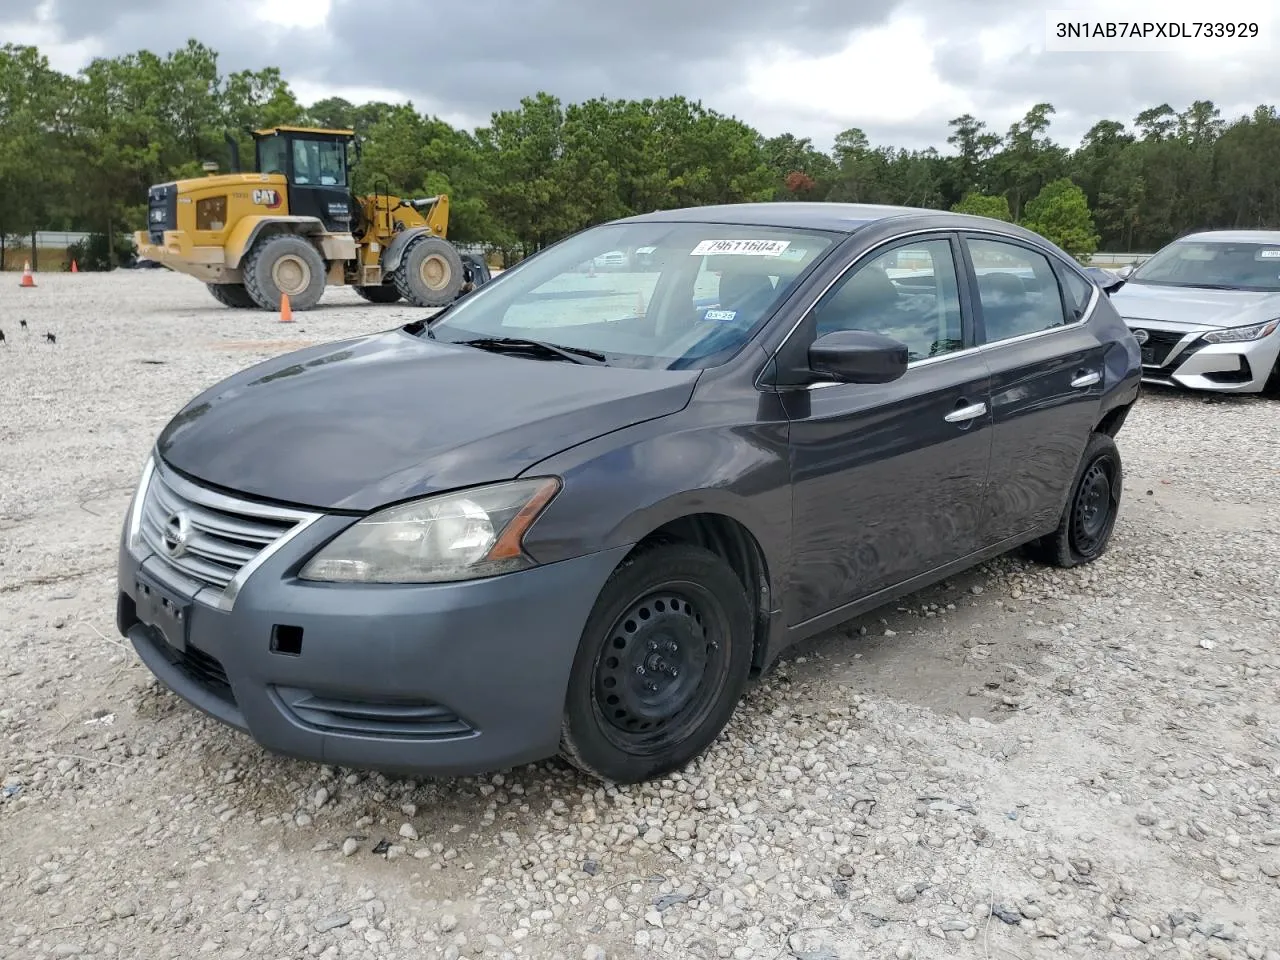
1195, 306
361, 423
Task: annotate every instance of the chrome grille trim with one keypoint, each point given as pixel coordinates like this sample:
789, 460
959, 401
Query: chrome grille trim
229, 537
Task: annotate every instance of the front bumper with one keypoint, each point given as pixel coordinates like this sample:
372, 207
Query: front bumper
440, 679
1183, 358
180, 253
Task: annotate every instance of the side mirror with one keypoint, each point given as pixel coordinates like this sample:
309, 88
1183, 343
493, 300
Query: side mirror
1125, 272
858, 356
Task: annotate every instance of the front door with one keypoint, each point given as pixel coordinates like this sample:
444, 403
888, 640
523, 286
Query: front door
1047, 382
318, 182
888, 479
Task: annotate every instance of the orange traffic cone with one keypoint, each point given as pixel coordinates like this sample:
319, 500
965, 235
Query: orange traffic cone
74, 268
286, 312
27, 279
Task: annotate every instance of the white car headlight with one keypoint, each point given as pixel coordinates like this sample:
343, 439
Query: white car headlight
1243, 334
454, 536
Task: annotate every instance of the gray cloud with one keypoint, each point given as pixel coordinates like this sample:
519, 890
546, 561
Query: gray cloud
467, 63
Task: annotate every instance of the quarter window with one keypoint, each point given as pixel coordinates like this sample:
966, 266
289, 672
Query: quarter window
909, 293
1017, 289
1078, 291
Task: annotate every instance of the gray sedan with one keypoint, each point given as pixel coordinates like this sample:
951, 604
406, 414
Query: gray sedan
1206, 310
574, 514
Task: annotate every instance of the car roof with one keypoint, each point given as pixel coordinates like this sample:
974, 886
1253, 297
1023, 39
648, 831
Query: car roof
841, 217
1233, 236
832, 217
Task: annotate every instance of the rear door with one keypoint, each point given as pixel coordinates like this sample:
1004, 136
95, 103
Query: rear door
888, 478
1047, 380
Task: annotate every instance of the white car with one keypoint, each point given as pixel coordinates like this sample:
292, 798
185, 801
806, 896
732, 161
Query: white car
1206, 311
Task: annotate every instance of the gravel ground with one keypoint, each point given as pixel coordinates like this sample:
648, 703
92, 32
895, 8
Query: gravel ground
1022, 762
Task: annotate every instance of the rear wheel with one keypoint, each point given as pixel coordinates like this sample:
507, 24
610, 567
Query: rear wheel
385, 293
232, 295
1085, 530
430, 273
660, 667
284, 264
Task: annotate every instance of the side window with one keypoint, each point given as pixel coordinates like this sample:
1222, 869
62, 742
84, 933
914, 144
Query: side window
1078, 291
909, 293
1017, 289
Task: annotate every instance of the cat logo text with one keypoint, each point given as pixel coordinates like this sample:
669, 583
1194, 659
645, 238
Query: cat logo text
267, 198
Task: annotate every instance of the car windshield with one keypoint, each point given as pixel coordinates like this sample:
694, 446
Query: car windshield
656, 295
1216, 264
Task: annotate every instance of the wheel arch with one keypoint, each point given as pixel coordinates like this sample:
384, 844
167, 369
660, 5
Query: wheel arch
725, 534
394, 251
250, 229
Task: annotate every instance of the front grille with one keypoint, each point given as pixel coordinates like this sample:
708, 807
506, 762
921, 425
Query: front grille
1160, 344
206, 671
204, 536
162, 210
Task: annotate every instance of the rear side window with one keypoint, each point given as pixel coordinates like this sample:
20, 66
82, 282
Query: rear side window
1017, 288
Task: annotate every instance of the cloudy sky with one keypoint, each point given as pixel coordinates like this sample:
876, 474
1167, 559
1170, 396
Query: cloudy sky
899, 69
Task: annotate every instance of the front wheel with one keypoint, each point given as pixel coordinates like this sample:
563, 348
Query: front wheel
284, 263
661, 665
1084, 532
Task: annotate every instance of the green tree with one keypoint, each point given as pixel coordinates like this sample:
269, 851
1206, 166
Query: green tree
35, 140
985, 205
1060, 214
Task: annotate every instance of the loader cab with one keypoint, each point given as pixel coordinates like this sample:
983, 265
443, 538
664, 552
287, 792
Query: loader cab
315, 164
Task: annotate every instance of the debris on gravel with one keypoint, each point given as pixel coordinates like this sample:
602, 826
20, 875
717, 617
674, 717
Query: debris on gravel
1019, 762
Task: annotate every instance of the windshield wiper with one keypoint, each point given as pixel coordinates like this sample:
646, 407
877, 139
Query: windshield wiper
573, 354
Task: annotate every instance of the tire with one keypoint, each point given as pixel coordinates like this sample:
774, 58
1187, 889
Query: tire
673, 623
385, 293
1084, 533
430, 273
232, 295
284, 263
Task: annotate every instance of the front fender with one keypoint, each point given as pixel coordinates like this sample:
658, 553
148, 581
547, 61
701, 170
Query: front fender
247, 230
396, 248
620, 488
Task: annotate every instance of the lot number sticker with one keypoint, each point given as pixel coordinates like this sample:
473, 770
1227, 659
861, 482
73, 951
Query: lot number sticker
721, 315
747, 248
1269, 254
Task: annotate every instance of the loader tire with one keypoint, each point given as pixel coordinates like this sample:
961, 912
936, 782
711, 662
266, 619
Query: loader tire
430, 273
384, 293
284, 263
232, 295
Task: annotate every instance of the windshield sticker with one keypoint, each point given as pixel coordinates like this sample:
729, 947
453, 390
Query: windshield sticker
722, 315
743, 248
1269, 254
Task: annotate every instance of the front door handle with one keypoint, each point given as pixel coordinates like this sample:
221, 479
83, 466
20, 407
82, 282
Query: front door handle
961, 414
1083, 380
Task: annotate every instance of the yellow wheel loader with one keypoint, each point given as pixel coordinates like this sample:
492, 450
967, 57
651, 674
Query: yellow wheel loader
294, 227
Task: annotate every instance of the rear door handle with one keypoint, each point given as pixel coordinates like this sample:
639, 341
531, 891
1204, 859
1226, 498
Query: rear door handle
1083, 380
961, 414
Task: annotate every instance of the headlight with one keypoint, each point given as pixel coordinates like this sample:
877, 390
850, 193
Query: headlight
134, 523
1242, 334
453, 536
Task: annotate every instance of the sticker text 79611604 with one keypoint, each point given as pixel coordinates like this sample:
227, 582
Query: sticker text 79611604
748, 248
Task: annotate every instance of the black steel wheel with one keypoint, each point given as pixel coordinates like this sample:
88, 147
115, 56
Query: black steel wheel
661, 665
1085, 529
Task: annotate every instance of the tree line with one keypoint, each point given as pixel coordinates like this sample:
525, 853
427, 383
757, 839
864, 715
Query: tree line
77, 152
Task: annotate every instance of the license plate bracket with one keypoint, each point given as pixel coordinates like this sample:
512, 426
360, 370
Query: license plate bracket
163, 611
1149, 356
